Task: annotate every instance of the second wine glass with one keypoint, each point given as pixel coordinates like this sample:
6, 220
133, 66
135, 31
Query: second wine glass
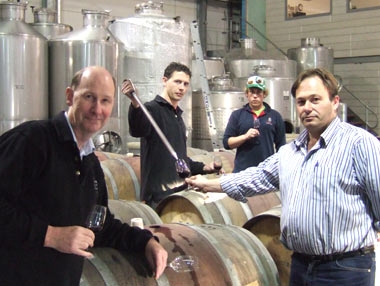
184, 263
256, 123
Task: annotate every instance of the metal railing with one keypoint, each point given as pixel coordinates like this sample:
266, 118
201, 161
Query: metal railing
367, 110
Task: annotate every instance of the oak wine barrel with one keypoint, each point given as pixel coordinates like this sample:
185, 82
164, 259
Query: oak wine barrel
199, 208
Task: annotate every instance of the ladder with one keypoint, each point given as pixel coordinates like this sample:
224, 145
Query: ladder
204, 85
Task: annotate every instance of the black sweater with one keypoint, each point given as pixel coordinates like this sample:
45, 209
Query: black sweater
43, 182
158, 175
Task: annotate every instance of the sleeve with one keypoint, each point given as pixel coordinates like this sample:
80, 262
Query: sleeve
116, 234
280, 138
196, 167
18, 225
366, 163
231, 130
252, 181
139, 125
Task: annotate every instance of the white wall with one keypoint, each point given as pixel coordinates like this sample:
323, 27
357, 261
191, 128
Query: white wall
349, 34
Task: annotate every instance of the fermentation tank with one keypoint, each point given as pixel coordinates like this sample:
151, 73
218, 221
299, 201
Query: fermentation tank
224, 99
93, 45
279, 74
312, 54
151, 41
23, 65
214, 67
45, 22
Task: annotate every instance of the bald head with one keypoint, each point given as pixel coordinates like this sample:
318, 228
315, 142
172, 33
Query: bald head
88, 72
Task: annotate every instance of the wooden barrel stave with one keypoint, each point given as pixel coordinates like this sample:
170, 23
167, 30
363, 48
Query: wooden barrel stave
266, 227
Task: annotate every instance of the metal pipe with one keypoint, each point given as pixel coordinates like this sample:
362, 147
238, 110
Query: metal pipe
155, 125
59, 12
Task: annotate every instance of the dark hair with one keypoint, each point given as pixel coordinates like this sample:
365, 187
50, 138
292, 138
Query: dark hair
176, 67
327, 78
75, 82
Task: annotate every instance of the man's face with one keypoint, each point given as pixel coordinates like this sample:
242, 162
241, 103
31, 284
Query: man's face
314, 106
91, 102
177, 85
255, 97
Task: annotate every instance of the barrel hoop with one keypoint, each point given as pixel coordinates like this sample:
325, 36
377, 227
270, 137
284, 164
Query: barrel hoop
247, 210
104, 271
133, 176
136, 209
222, 210
200, 206
112, 181
232, 273
151, 215
254, 255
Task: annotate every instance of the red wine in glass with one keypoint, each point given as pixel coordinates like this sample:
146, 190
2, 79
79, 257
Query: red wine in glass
182, 169
217, 164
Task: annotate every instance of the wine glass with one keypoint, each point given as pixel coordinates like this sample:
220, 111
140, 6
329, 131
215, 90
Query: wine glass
96, 218
182, 169
217, 164
184, 263
256, 123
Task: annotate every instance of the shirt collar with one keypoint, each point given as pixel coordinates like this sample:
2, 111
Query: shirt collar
325, 137
87, 148
159, 98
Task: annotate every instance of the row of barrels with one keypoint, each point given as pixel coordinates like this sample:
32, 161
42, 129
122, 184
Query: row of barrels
123, 176
211, 220
228, 255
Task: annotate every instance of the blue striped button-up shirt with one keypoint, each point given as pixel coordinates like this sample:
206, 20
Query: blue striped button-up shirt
330, 195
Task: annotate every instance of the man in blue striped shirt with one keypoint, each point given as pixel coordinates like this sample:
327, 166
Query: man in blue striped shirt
329, 179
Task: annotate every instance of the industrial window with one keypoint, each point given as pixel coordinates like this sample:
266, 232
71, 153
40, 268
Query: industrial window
305, 8
360, 5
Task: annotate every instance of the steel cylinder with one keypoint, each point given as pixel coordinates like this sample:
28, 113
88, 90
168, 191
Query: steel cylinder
23, 62
93, 45
45, 22
224, 99
151, 41
312, 54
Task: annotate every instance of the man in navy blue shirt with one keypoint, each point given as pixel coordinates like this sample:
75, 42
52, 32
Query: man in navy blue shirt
255, 128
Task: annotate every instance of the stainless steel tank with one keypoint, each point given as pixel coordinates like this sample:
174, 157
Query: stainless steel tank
278, 72
214, 67
312, 54
45, 22
23, 65
92, 45
153, 40
224, 99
